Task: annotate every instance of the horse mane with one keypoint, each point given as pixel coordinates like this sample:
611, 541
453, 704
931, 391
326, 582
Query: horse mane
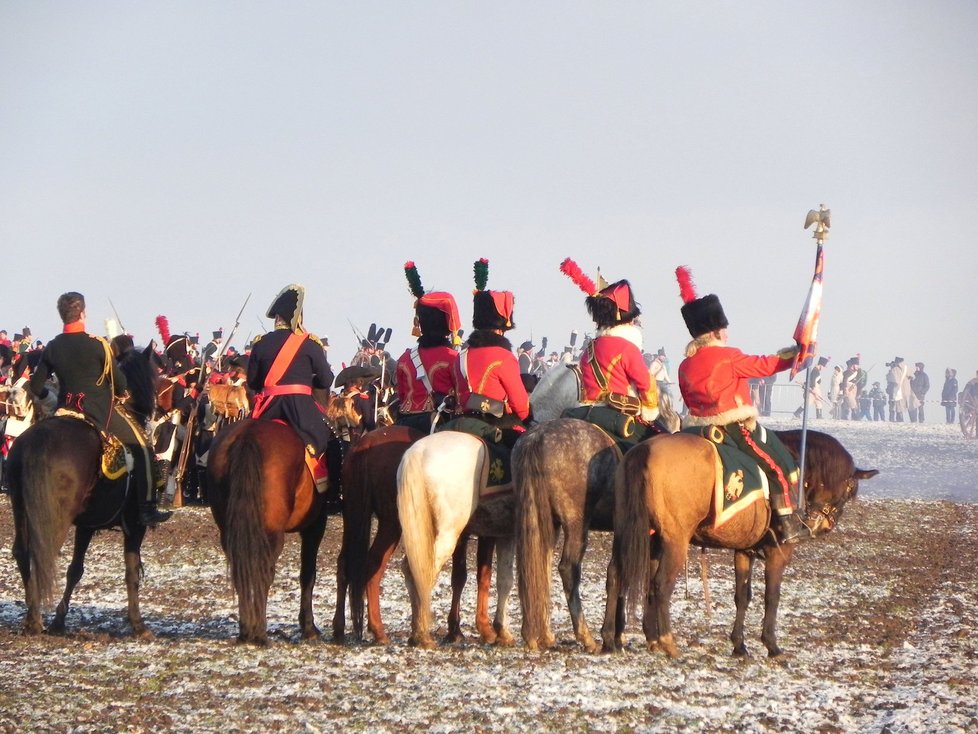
141, 379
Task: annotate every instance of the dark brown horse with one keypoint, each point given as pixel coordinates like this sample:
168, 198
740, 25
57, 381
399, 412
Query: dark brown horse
369, 490
665, 487
260, 489
55, 480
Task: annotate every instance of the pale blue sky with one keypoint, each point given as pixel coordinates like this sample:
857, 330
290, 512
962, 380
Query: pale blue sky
176, 156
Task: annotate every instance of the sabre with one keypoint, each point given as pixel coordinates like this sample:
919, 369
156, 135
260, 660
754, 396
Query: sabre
117, 319
806, 332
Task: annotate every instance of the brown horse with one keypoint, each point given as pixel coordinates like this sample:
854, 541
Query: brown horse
55, 480
260, 489
665, 487
369, 490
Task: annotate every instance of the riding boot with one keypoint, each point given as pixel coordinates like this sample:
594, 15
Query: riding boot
785, 522
332, 461
150, 515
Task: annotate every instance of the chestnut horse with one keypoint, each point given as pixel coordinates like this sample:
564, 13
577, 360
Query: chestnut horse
55, 480
666, 487
260, 489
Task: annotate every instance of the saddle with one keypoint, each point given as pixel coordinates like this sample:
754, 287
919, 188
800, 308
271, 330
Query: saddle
116, 458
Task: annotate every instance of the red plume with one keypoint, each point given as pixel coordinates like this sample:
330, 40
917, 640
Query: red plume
163, 326
570, 268
687, 291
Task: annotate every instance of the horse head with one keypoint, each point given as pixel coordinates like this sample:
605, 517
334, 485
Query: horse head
141, 378
831, 480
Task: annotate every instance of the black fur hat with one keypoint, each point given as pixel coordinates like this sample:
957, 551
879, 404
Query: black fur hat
613, 305
702, 315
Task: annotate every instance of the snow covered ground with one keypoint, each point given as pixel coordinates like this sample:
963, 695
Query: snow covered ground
877, 620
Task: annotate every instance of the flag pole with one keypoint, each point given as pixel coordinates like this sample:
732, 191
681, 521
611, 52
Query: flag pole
807, 332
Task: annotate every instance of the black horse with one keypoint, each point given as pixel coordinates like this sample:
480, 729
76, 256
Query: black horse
56, 479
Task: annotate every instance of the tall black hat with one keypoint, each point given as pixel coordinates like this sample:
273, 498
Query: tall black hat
702, 315
490, 309
288, 305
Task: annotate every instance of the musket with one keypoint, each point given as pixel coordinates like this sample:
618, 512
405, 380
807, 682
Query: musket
118, 320
237, 323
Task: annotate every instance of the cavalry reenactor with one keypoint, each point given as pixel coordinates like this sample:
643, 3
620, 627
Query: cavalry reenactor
487, 373
619, 392
714, 383
284, 367
424, 373
91, 384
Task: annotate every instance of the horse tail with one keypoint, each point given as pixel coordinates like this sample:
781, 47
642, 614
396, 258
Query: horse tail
534, 535
45, 518
251, 560
632, 526
417, 527
357, 490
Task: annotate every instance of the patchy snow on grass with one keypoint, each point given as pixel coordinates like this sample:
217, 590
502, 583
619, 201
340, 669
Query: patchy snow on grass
877, 621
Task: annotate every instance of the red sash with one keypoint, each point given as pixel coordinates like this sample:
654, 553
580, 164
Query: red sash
281, 363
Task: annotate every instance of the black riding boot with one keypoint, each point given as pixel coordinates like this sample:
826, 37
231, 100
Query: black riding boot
787, 525
142, 478
334, 466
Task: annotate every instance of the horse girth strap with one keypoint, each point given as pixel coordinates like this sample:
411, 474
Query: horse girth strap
284, 358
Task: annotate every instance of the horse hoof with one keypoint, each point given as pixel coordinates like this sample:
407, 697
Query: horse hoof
143, 633
532, 646
740, 651
505, 639
311, 634
775, 652
422, 643
382, 639
33, 628
453, 638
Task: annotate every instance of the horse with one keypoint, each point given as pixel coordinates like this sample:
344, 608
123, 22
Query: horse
369, 489
260, 489
665, 487
563, 476
55, 480
438, 484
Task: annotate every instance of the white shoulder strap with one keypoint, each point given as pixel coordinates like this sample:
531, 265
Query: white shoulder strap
419, 369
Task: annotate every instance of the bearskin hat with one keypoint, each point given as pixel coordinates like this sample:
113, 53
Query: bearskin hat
288, 306
702, 315
437, 312
490, 309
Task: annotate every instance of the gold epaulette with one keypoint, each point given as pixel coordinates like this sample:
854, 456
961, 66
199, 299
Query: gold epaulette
314, 338
257, 339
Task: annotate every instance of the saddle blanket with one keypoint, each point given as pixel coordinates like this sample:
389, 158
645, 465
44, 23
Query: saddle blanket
116, 459
740, 482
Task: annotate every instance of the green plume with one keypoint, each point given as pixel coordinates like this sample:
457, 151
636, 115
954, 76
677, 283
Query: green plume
481, 269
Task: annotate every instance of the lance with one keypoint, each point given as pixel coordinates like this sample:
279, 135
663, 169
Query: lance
117, 319
806, 333
237, 323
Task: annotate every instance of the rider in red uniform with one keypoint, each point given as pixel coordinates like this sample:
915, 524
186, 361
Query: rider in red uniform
714, 381
424, 374
487, 373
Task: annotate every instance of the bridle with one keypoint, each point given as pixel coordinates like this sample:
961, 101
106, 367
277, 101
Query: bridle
827, 515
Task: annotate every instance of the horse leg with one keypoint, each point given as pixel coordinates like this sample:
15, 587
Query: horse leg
505, 554
21, 552
459, 575
650, 612
312, 537
132, 542
485, 548
381, 550
774, 564
575, 543
672, 559
743, 568
614, 602
83, 536
339, 616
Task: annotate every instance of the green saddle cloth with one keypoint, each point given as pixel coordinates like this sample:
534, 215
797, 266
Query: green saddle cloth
742, 481
624, 429
500, 474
